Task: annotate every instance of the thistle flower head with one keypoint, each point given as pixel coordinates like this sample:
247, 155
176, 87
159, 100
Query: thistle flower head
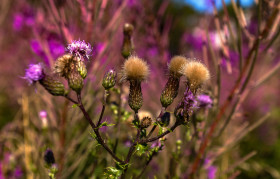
196, 73
34, 73
186, 106
135, 69
80, 49
176, 65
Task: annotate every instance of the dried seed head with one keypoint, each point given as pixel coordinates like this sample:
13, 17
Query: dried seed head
176, 64
196, 73
145, 122
135, 69
128, 29
62, 65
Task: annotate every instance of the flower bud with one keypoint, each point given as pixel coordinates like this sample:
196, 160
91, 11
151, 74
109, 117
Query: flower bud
145, 122
49, 157
81, 67
53, 86
165, 119
75, 81
109, 79
127, 47
170, 91
135, 98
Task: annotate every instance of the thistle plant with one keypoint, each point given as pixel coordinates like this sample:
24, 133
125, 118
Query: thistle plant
148, 114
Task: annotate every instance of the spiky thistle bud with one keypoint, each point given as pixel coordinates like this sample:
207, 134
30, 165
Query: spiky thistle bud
53, 86
135, 70
164, 121
109, 79
170, 90
145, 122
127, 47
196, 73
81, 67
75, 81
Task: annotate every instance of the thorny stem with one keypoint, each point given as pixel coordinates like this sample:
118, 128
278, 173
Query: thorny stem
95, 129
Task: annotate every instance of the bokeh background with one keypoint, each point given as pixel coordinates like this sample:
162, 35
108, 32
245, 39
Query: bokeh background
218, 33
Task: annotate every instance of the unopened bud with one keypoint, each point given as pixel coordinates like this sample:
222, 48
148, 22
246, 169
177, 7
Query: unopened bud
53, 86
81, 67
165, 119
145, 122
75, 81
127, 47
109, 79
170, 91
49, 157
135, 98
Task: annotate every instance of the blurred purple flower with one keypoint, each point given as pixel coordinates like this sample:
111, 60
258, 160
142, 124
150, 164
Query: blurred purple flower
204, 101
80, 49
34, 73
211, 169
43, 114
56, 48
18, 22
196, 42
156, 144
26, 18
17, 173
128, 143
38, 50
212, 172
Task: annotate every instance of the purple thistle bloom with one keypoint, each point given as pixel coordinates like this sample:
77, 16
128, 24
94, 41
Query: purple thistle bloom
80, 49
204, 101
34, 73
189, 103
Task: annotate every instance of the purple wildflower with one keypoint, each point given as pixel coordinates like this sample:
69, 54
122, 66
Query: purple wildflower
49, 157
80, 49
56, 48
189, 103
211, 169
34, 73
204, 101
186, 106
43, 114
17, 173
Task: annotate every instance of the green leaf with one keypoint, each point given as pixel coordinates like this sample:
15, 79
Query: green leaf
74, 105
141, 149
105, 124
112, 173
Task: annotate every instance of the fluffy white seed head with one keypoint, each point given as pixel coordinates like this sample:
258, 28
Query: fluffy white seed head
176, 64
135, 68
196, 73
